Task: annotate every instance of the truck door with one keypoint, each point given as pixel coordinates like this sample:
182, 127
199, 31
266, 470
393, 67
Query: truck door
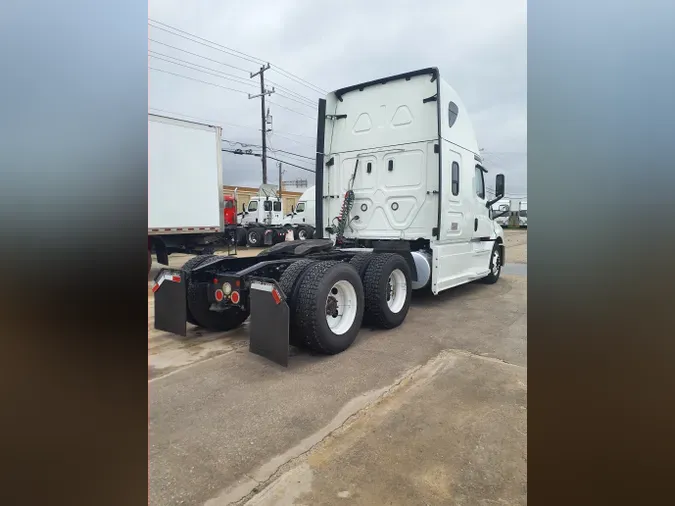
482, 225
457, 206
251, 215
278, 214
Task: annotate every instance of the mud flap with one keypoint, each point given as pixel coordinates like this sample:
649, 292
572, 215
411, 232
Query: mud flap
269, 321
170, 302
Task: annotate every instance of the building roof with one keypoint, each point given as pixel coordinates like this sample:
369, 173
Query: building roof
252, 189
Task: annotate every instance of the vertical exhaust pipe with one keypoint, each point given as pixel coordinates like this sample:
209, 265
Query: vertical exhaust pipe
318, 176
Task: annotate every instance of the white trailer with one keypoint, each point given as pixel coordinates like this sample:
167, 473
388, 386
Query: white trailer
400, 195
185, 198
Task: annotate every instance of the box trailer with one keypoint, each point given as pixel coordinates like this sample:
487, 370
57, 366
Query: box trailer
400, 206
185, 196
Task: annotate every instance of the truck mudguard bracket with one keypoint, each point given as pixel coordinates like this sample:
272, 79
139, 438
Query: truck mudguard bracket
170, 302
269, 321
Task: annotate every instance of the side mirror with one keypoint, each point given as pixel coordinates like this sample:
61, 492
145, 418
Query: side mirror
499, 185
499, 190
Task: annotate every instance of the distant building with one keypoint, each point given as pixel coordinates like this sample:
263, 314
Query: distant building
245, 193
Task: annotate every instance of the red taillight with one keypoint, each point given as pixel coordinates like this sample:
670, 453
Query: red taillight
235, 297
215, 281
237, 283
276, 295
219, 295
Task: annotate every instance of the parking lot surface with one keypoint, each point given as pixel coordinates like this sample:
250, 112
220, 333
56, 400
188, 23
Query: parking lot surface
433, 412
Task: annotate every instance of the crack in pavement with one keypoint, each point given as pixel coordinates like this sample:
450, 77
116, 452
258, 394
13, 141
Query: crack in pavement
269, 472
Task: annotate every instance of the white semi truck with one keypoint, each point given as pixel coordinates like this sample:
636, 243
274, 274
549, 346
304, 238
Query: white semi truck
264, 221
185, 198
522, 213
501, 213
301, 218
400, 206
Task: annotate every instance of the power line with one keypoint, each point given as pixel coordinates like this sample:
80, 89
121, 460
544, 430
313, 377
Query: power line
270, 148
236, 53
197, 80
199, 55
299, 80
225, 49
242, 152
294, 93
201, 68
288, 97
293, 110
292, 164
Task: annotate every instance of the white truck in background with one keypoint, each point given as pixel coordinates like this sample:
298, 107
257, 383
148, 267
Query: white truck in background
501, 213
264, 222
185, 198
522, 213
302, 216
400, 191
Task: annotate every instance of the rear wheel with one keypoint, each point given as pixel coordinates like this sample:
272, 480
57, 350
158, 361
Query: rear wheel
301, 233
240, 235
289, 284
187, 270
387, 290
329, 306
254, 237
361, 261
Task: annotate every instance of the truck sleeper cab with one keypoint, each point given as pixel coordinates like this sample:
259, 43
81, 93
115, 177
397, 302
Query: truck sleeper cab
401, 205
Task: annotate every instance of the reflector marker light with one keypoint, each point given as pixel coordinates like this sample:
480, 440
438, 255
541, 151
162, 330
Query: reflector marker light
276, 295
165, 277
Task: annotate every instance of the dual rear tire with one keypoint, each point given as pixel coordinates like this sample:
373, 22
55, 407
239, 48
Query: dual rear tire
330, 300
327, 304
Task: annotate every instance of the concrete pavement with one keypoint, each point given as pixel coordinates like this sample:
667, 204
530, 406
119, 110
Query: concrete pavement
430, 413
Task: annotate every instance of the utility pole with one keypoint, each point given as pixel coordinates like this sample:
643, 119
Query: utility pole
263, 117
280, 189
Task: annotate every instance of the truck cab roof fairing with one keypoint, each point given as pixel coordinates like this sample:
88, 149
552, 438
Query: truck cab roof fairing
432, 71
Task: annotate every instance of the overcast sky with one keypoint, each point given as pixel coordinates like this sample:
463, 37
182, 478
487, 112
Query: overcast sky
480, 47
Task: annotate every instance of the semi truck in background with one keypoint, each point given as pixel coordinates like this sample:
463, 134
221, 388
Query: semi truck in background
522, 213
261, 222
301, 217
501, 213
400, 205
186, 209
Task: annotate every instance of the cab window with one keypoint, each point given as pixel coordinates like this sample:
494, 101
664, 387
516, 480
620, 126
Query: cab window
300, 208
480, 182
253, 206
277, 205
267, 205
